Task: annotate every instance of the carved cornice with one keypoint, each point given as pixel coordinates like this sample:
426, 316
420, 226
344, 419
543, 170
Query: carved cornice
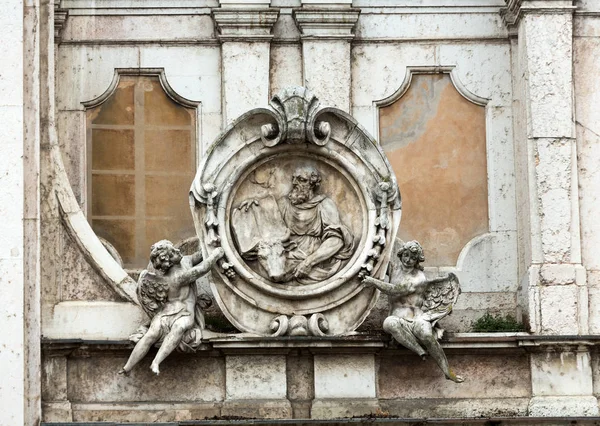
235, 24
60, 20
322, 23
516, 9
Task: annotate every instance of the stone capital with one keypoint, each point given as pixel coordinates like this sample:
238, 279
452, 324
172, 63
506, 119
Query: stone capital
516, 9
244, 24
60, 20
326, 23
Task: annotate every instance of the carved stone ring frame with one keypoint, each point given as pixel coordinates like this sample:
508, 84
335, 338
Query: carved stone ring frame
254, 158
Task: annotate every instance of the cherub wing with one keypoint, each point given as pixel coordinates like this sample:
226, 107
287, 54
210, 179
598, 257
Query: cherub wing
440, 297
152, 293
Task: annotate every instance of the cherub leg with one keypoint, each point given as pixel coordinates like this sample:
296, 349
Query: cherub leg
397, 328
424, 333
178, 329
143, 346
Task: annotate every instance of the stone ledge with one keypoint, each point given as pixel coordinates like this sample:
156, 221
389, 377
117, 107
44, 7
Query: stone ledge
358, 343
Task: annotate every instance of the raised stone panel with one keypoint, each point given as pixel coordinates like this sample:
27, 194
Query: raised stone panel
483, 69
410, 26
561, 373
88, 320
501, 169
125, 28
378, 70
344, 376
97, 381
193, 72
255, 377
286, 67
245, 77
324, 72
548, 43
489, 376
85, 72
559, 309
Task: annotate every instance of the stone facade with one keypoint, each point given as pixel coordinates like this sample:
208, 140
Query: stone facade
519, 74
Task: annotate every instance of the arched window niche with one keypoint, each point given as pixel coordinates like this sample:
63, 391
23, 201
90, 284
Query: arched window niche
141, 159
434, 134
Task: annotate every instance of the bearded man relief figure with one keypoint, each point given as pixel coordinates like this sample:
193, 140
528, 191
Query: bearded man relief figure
298, 238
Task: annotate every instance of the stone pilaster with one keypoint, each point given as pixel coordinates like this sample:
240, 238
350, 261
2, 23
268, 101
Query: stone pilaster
557, 291
245, 32
327, 30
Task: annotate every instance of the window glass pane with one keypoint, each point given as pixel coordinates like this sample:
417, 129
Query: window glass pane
169, 150
142, 160
113, 149
120, 233
113, 195
118, 109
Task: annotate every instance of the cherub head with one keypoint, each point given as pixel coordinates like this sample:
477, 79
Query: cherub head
411, 255
163, 255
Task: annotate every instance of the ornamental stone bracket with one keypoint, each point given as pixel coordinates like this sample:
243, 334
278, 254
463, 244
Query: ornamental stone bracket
304, 204
60, 20
326, 23
244, 24
515, 9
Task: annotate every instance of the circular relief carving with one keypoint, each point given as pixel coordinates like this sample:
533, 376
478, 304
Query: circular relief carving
303, 203
296, 221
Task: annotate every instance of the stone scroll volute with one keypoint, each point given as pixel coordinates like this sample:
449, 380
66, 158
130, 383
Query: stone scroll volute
304, 203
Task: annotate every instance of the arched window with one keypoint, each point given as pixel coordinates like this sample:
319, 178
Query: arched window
141, 163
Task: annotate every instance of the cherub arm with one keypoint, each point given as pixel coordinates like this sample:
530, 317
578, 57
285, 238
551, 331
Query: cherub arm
437, 280
393, 289
196, 272
196, 258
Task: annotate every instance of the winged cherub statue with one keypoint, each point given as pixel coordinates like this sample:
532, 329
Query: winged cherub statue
417, 304
167, 292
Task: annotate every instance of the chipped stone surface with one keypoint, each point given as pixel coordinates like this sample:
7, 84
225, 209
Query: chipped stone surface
326, 74
548, 40
344, 376
256, 377
561, 373
559, 309
98, 381
488, 376
449, 407
245, 78
563, 406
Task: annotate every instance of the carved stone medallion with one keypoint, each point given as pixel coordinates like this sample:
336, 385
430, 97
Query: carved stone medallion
304, 203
